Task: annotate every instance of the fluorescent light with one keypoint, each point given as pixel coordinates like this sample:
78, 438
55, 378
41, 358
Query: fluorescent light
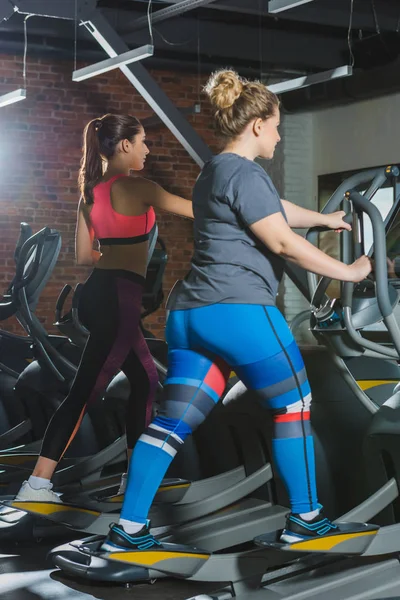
113, 63
307, 80
276, 6
12, 97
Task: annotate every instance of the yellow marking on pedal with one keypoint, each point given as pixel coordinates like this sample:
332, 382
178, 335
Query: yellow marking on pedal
329, 542
173, 487
226, 509
118, 498
366, 384
166, 488
151, 558
49, 508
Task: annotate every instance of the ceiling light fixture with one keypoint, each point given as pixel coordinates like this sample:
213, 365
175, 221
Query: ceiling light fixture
20, 93
307, 80
12, 97
113, 63
276, 6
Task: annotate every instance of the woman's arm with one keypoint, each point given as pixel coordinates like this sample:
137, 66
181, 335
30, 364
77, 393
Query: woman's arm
302, 218
155, 195
278, 237
84, 236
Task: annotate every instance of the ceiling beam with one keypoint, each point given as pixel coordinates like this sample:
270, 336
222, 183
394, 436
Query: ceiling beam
113, 45
58, 9
59, 48
178, 8
155, 121
220, 41
6, 10
294, 51
333, 15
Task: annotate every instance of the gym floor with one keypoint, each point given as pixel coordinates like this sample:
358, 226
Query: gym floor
26, 574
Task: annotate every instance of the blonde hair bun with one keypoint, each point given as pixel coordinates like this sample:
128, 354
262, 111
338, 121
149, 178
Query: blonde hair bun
224, 88
237, 101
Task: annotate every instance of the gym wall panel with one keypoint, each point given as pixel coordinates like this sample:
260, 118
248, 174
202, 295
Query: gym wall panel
356, 136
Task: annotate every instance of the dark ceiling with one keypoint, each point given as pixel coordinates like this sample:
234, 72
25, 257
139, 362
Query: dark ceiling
240, 33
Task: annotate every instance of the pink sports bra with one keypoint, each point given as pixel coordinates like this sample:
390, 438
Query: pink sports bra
113, 228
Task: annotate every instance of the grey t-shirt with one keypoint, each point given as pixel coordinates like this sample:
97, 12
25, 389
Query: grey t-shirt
230, 265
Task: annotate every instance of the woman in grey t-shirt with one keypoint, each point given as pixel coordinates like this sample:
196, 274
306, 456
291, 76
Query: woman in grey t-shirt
225, 315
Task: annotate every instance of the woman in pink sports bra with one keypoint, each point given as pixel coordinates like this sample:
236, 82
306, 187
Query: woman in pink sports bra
117, 211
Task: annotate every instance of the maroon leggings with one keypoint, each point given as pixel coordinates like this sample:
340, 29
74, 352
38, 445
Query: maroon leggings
110, 307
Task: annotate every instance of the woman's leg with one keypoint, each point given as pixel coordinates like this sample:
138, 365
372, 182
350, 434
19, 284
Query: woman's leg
265, 356
113, 302
191, 390
280, 382
258, 344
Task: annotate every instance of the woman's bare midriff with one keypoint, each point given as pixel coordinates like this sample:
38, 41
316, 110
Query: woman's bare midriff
130, 257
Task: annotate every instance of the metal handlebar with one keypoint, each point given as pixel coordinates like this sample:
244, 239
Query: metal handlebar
22, 254
379, 235
350, 183
39, 240
381, 279
378, 177
61, 301
25, 234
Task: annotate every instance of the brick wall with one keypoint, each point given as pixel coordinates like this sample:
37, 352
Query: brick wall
40, 150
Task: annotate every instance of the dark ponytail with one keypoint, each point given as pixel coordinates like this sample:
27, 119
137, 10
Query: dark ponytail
100, 139
91, 164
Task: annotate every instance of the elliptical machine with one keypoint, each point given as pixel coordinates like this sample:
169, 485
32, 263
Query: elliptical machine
97, 457
308, 576
35, 257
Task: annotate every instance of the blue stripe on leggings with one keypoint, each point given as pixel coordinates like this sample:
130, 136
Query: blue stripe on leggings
173, 426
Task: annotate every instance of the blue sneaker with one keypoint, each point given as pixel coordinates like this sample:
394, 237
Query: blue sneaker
118, 540
298, 530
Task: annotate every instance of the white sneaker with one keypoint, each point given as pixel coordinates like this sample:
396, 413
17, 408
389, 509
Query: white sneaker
122, 485
28, 494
